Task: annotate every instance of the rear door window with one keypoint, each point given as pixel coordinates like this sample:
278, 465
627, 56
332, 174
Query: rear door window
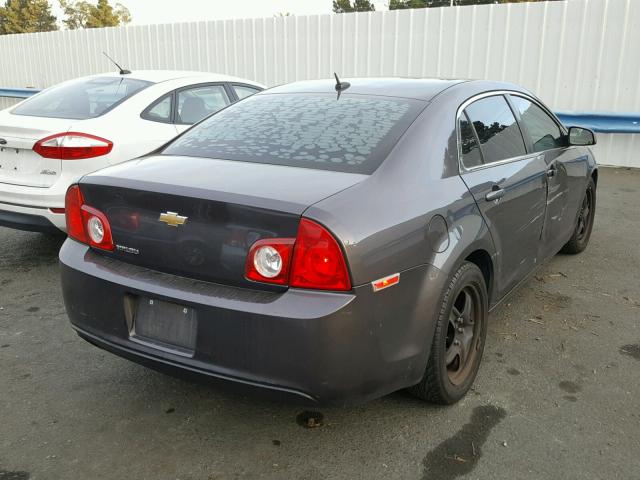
199, 102
354, 133
544, 131
82, 99
496, 128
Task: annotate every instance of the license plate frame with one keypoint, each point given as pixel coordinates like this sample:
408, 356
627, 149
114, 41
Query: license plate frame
165, 325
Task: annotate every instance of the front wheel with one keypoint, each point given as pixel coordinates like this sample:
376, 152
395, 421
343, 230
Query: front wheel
582, 232
459, 338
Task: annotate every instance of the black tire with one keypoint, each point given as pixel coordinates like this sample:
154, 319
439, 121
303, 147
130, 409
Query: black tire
584, 223
447, 383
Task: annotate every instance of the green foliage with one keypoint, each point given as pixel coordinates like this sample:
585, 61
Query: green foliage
26, 16
401, 4
346, 6
84, 14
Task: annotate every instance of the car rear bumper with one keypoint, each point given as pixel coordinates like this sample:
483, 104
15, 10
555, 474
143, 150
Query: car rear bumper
29, 205
324, 347
31, 219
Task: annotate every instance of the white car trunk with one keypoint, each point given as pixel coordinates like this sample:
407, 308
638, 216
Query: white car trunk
19, 164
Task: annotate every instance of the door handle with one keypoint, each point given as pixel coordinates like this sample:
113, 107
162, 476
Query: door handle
495, 194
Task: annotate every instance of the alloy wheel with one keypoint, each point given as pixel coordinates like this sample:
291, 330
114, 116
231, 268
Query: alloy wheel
462, 338
585, 217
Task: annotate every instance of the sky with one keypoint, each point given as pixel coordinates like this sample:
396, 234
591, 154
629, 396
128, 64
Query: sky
164, 11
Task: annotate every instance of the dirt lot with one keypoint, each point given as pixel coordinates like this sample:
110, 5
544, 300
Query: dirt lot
558, 394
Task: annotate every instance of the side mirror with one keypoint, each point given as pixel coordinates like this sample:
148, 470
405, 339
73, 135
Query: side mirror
581, 136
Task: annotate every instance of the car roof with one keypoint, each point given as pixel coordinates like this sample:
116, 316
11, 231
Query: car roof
157, 76
417, 88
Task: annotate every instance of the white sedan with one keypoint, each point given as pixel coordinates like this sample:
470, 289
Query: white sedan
50, 140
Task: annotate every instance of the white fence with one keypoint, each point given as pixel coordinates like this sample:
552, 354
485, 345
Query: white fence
578, 55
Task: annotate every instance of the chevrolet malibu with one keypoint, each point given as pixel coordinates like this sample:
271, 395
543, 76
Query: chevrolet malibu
330, 241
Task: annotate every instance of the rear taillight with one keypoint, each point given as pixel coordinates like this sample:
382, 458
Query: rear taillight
73, 211
318, 261
86, 224
72, 146
312, 260
269, 260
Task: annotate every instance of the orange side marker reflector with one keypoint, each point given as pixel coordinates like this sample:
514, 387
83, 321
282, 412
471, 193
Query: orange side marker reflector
386, 282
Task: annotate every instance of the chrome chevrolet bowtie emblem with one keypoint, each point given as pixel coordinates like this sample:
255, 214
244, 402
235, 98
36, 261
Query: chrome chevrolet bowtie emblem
172, 219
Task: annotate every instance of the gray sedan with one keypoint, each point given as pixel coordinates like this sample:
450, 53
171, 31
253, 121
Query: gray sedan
327, 240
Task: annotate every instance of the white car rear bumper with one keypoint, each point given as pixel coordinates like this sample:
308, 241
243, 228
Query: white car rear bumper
31, 218
29, 208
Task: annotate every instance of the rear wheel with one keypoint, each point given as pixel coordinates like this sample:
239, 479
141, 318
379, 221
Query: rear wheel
580, 238
459, 339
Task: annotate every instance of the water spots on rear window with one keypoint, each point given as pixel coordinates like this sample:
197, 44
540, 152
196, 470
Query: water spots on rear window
298, 130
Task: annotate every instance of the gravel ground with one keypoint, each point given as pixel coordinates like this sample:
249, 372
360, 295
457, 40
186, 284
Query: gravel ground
557, 395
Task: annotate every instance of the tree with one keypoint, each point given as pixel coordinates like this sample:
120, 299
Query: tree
84, 14
346, 6
401, 4
26, 16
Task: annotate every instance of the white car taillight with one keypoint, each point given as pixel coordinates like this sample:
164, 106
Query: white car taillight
72, 146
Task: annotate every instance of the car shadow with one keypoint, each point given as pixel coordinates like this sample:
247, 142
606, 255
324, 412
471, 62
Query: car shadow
25, 250
197, 399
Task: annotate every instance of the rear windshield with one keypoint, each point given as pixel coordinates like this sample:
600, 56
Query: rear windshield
86, 98
351, 134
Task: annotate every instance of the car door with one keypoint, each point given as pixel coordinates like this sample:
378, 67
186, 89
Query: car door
196, 102
507, 183
565, 172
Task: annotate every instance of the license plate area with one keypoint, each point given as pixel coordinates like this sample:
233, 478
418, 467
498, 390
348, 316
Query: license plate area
163, 325
9, 159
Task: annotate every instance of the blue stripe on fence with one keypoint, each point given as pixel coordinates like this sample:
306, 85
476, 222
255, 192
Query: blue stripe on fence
598, 122
18, 92
602, 122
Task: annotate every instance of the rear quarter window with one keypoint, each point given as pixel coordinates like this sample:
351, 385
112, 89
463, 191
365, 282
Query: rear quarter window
243, 91
82, 99
350, 134
469, 148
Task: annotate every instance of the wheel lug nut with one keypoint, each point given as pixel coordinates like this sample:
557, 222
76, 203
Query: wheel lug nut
460, 330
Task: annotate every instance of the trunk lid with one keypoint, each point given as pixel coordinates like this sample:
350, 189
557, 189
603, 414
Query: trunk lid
198, 217
19, 164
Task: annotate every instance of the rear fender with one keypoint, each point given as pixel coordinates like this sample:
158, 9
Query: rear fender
466, 235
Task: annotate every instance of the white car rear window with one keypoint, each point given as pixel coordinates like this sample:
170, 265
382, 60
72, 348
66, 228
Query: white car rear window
86, 98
